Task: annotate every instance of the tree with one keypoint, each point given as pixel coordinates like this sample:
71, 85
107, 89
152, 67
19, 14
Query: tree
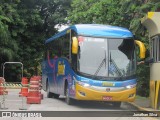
25, 26
40, 19
8, 47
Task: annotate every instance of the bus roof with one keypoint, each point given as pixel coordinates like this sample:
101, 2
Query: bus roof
95, 30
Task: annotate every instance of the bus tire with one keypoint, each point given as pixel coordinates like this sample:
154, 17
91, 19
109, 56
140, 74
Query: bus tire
116, 104
49, 94
68, 100
55, 95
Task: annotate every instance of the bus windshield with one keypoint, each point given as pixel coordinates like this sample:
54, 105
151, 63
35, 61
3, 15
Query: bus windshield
106, 57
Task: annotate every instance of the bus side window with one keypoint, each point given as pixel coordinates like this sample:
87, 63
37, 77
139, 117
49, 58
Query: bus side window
65, 46
74, 62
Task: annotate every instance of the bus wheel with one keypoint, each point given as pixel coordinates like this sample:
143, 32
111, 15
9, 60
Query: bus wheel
68, 100
49, 94
55, 95
116, 104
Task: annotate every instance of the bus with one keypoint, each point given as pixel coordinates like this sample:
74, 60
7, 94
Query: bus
91, 62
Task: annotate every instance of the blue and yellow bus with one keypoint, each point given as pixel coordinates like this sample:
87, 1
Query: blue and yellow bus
91, 62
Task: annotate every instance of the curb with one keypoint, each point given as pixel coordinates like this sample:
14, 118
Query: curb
145, 109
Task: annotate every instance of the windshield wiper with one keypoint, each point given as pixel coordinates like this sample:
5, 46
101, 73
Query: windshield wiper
115, 66
100, 66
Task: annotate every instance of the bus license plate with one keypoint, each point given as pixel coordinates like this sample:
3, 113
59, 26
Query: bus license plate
107, 98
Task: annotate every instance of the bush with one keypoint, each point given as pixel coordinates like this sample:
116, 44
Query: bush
143, 78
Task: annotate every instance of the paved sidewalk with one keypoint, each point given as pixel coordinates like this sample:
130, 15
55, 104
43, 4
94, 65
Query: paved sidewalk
143, 104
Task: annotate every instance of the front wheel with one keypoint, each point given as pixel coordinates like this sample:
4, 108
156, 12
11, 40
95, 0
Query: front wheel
116, 104
56, 95
68, 100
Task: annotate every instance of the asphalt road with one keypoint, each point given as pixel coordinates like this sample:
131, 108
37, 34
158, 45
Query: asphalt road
81, 110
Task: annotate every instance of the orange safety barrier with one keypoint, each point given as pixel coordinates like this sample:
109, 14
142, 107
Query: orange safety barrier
40, 82
34, 95
24, 81
24, 89
37, 81
2, 88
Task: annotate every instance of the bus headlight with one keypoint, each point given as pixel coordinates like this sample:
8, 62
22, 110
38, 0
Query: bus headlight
83, 84
86, 85
130, 86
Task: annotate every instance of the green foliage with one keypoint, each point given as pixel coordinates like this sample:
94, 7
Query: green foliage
6, 47
93, 11
143, 80
24, 26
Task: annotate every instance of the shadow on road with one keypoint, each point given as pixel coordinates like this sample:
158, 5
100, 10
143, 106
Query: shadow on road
94, 109
92, 104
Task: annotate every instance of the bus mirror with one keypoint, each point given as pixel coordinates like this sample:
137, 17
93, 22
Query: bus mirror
74, 45
142, 49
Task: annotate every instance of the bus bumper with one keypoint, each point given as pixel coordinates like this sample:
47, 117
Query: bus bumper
83, 93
